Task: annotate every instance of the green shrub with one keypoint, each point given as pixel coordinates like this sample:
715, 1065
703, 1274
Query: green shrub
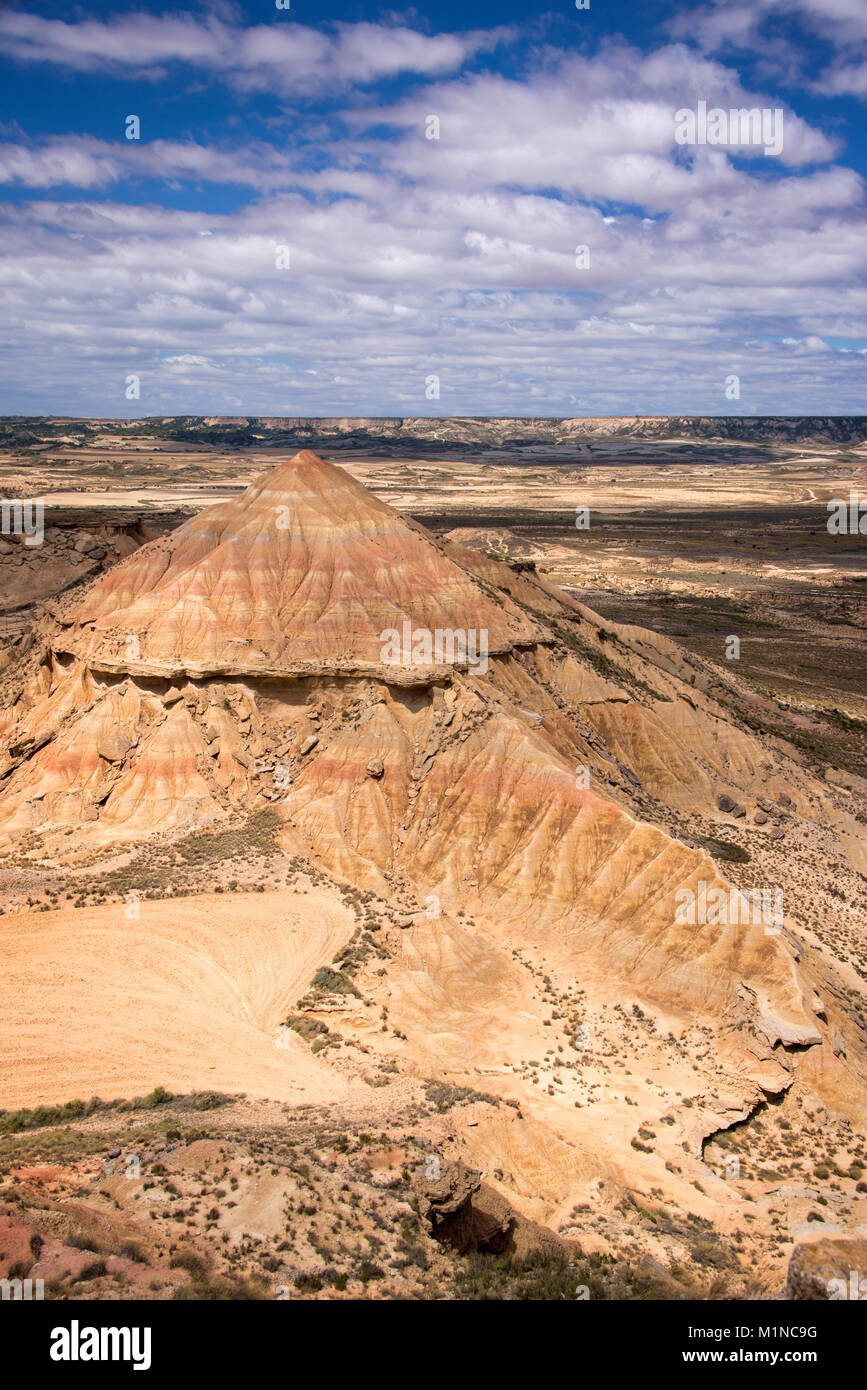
328, 981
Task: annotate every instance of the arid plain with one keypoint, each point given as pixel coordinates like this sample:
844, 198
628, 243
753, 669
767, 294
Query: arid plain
391, 958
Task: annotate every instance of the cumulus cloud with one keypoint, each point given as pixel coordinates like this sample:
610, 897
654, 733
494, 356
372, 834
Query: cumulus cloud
89, 163
725, 23
343, 279
840, 24
572, 128
282, 55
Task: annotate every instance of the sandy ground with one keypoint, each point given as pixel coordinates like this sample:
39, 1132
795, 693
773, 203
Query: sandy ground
158, 498
189, 996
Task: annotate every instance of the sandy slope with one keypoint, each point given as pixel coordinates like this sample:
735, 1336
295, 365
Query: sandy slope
189, 996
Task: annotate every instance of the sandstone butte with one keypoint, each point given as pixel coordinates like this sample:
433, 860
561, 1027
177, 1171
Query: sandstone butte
249, 641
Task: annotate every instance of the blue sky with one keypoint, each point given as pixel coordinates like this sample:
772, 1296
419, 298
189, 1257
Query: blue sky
286, 238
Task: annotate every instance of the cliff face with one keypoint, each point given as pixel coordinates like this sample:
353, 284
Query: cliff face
499, 432
477, 433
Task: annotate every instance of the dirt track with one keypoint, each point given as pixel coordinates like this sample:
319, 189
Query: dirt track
188, 996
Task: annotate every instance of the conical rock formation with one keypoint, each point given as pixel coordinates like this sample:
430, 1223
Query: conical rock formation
257, 656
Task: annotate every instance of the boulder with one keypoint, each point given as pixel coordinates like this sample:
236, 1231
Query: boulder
822, 1269
114, 744
464, 1213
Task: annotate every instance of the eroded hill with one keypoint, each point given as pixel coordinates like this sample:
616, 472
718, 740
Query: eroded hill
522, 811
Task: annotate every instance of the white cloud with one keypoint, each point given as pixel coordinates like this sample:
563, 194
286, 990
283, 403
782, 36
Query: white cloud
89, 163
282, 55
845, 79
411, 256
572, 128
842, 24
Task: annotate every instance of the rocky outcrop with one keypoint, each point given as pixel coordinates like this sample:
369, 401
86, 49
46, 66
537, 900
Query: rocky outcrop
501, 431
833, 1268
460, 1211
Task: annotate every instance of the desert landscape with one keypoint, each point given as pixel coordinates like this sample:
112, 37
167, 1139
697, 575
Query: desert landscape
433, 858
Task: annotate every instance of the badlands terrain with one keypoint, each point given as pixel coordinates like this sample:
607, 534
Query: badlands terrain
335, 972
